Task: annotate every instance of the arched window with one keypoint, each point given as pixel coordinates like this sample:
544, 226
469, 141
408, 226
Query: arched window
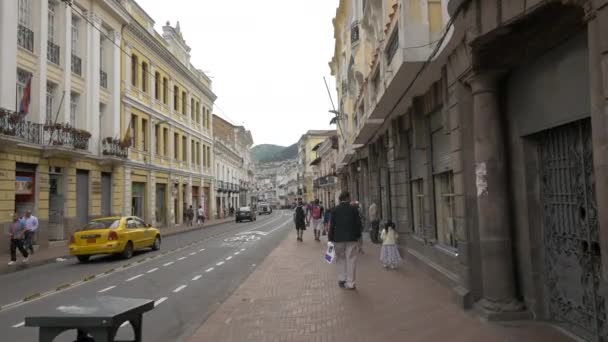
184, 102
157, 85
165, 90
144, 77
134, 67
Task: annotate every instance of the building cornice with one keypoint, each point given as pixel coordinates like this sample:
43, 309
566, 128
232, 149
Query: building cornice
140, 32
172, 172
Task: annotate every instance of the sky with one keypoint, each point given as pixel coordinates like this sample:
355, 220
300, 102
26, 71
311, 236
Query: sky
267, 60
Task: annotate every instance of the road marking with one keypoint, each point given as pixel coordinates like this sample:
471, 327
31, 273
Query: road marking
180, 288
242, 249
19, 325
209, 269
169, 263
159, 301
252, 265
219, 263
107, 289
237, 253
153, 270
197, 277
124, 324
182, 258
202, 249
228, 258
193, 253
135, 277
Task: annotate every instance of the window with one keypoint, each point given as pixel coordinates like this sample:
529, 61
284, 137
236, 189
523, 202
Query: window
176, 98
192, 108
25, 13
51, 22
392, 46
165, 90
74, 100
444, 209
435, 19
175, 146
156, 138
102, 42
134, 67
193, 151
184, 102
157, 85
198, 112
134, 131
144, 134
75, 23
50, 95
184, 149
165, 142
418, 206
144, 77
204, 156
22, 78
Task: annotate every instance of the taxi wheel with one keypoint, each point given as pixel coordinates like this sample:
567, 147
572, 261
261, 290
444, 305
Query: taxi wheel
127, 253
156, 244
83, 258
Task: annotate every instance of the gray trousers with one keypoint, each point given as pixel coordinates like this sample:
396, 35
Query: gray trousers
346, 261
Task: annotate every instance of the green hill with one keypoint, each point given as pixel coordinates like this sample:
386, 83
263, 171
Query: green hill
271, 153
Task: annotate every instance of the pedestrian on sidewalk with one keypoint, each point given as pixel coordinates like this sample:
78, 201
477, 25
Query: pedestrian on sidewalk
345, 233
200, 216
389, 254
190, 215
31, 227
357, 206
299, 218
317, 219
17, 234
375, 223
327, 218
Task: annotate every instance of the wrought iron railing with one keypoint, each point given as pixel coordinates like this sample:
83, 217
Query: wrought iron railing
354, 32
14, 125
76, 65
25, 38
63, 135
103, 79
53, 52
114, 147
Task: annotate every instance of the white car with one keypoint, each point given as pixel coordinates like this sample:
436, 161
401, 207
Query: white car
264, 208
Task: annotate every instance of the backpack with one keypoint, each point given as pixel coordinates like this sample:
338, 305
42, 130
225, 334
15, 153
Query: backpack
316, 212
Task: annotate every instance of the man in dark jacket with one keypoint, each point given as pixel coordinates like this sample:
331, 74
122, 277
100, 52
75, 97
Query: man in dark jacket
299, 218
345, 231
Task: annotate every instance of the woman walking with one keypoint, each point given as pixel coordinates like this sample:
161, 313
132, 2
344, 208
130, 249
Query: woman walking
389, 254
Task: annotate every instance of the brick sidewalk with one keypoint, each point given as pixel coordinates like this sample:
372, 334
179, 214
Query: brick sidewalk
293, 296
50, 254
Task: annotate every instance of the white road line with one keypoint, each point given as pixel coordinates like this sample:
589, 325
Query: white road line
197, 277
193, 253
153, 270
182, 258
237, 253
180, 288
243, 249
219, 263
209, 269
228, 258
169, 263
19, 325
202, 249
159, 301
135, 277
106, 289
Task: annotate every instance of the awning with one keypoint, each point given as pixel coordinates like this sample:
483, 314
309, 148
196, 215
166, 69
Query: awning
316, 161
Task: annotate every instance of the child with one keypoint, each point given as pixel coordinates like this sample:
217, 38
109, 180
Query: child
389, 254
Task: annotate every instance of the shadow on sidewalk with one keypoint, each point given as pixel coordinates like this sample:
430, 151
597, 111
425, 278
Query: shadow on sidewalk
294, 296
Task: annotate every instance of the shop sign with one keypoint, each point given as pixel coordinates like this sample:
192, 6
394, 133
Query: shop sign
24, 185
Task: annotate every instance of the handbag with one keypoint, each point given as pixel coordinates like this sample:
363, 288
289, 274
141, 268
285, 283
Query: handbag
330, 253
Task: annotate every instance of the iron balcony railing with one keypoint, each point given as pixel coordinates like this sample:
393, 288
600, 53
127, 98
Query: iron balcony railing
63, 135
354, 32
25, 38
14, 125
113, 147
76, 65
103, 79
52, 52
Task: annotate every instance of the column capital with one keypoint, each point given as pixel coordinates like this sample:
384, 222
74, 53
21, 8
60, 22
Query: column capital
482, 81
116, 37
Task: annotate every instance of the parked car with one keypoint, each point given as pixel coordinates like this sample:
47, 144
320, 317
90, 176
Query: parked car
245, 213
113, 235
264, 208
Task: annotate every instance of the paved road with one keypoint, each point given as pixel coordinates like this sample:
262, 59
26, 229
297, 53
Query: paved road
188, 278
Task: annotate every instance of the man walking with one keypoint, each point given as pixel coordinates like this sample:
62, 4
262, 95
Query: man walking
317, 219
299, 218
17, 233
345, 231
375, 223
200, 215
31, 227
190, 215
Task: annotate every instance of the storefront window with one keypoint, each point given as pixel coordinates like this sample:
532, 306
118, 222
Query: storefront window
138, 199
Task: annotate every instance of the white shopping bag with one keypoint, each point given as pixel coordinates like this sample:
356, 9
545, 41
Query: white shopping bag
330, 253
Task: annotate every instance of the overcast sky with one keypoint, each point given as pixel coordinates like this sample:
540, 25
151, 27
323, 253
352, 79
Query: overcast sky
267, 59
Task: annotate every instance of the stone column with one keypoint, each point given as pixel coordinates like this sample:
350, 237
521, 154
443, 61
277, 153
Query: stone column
498, 275
115, 85
91, 58
38, 96
152, 199
8, 62
67, 65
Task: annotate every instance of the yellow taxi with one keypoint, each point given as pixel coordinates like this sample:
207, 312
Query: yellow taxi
113, 235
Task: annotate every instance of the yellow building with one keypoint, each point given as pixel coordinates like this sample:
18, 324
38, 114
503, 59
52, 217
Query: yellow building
166, 115
51, 151
306, 156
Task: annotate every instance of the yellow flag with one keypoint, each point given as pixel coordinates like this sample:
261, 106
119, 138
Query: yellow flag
126, 140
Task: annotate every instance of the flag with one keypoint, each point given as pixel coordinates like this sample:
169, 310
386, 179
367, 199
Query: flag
24, 105
126, 140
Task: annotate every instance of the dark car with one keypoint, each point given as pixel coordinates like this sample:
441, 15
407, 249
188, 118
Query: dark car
245, 213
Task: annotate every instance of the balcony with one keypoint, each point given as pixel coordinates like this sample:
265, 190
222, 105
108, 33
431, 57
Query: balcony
52, 52
103, 79
112, 147
14, 127
63, 135
354, 32
25, 38
76, 65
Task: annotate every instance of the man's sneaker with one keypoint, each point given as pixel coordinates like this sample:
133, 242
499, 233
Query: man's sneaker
342, 284
11, 263
24, 260
351, 288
